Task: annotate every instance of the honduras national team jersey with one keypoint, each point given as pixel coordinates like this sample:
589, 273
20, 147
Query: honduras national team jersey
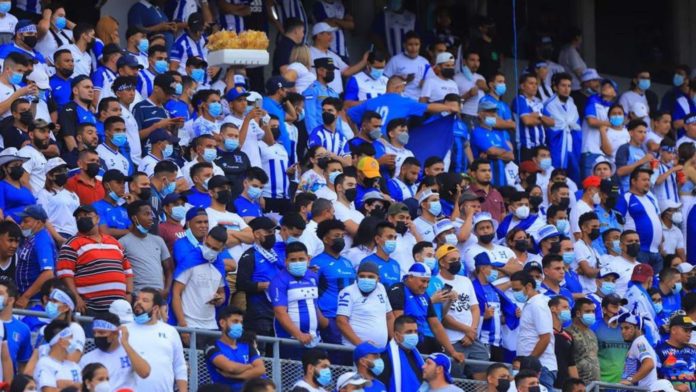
677, 364
334, 276
185, 47
231, 22
362, 87
528, 136
299, 296
334, 142
597, 108
389, 106
643, 216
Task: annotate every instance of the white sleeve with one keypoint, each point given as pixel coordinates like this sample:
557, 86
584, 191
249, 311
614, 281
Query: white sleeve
179, 362
544, 320
680, 240
44, 377
184, 276
469, 288
574, 225
78, 335
345, 303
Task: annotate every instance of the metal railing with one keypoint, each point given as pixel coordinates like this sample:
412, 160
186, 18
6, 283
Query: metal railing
596, 386
283, 372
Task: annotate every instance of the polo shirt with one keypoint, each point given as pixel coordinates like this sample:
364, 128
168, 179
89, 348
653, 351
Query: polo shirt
60, 89
87, 193
18, 338
247, 208
335, 274
389, 270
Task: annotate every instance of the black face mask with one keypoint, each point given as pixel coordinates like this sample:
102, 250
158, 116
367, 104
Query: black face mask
30, 40
26, 118
145, 194
633, 249
328, 118
351, 194
535, 201
275, 131
534, 389
378, 212
323, 162
447, 73
564, 203
610, 202
521, 245
486, 239
223, 197
85, 224
102, 343
16, 172
401, 227
503, 385
92, 170
338, 244
60, 179
454, 268
268, 242
594, 234
330, 75
555, 248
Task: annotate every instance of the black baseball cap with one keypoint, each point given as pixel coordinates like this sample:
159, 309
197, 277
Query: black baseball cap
275, 83
682, 320
609, 187
173, 198
613, 299
262, 223
128, 60
324, 62
84, 208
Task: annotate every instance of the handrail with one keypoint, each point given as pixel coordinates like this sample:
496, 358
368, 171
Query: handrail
595, 385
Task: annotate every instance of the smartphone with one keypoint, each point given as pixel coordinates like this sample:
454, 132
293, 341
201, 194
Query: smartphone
258, 103
446, 288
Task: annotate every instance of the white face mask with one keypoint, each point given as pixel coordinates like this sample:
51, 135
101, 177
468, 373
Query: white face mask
677, 218
595, 198
208, 253
103, 386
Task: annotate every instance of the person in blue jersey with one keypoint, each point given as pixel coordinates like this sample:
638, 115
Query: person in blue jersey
409, 298
676, 358
60, 81
335, 273
670, 290
189, 44
392, 104
294, 294
519, 216
632, 155
328, 133
76, 112
606, 286
571, 280
257, 267
370, 83
369, 365
150, 17
496, 89
528, 109
179, 105
36, 255
274, 103
150, 113
403, 185
403, 362
198, 195
106, 73
113, 219
639, 208
640, 301
595, 116
563, 136
233, 359
491, 142
554, 274
370, 132
17, 333
494, 307
385, 245
250, 204
157, 64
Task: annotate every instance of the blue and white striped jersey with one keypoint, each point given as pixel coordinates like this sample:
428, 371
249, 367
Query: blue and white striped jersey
274, 161
299, 296
642, 215
185, 47
333, 142
528, 136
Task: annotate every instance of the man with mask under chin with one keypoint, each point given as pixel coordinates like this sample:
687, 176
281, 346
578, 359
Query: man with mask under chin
115, 352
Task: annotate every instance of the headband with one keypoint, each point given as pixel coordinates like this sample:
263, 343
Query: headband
125, 86
62, 296
65, 333
27, 29
103, 325
668, 149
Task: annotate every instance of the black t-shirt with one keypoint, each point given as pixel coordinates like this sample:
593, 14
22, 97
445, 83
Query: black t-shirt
13, 136
490, 54
580, 101
234, 164
564, 356
9, 272
281, 55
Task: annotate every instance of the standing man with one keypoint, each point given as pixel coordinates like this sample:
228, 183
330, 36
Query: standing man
318, 91
564, 136
528, 109
96, 275
76, 112
536, 326
35, 256
585, 346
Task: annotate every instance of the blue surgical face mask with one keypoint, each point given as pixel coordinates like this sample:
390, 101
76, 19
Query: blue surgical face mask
178, 213
377, 366
142, 318
209, 154
435, 208
254, 192
616, 120
367, 285
677, 80
324, 377
616, 246
545, 164
215, 109
607, 288
178, 89
568, 258
677, 288
297, 268
61, 22
500, 89
198, 74
5, 7
119, 139
564, 316
235, 331
300, 115
389, 246
490, 121
410, 341
16, 78
52, 310
376, 73
643, 84
467, 73
562, 225
520, 296
26, 233
231, 144
142, 229
116, 198
168, 151
451, 239
292, 239
589, 319
143, 45
430, 262
658, 307
333, 176
73, 346
168, 189
493, 276
161, 66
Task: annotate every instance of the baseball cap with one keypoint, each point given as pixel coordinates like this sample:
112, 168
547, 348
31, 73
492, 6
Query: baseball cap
444, 57
373, 195
40, 77
469, 196
41, 123
444, 250
194, 212
639, 109
324, 62
443, 360
486, 105
166, 82
369, 167
690, 118
641, 273
602, 159
419, 270
685, 268
236, 92
322, 27
668, 204
482, 217
529, 167
350, 378
368, 266
397, 208
195, 21
482, 259
662, 386
681, 320
545, 232
366, 348
609, 187
613, 299
426, 194
443, 225
128, 61
159, 135
603, 273
275, 83
123, 310
173, 198
84, 208
591, 181
532, 265
590, 74
54, 163
262, 223
628, 317
34, 211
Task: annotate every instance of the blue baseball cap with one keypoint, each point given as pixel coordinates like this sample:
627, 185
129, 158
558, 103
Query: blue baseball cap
128, 61
486, 105
173, 198
34, 211
236, 93
194, 212
443, 360
365, 348
546, 232
482, 259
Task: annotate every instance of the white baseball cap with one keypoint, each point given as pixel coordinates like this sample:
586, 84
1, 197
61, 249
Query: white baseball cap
322, 27
40, 77
685, 268
590, 74
123, 310
444, 57
667, 204
54, 163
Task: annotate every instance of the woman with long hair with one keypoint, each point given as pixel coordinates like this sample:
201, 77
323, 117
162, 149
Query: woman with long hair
299, 69
95, 378
23, 383
364, 241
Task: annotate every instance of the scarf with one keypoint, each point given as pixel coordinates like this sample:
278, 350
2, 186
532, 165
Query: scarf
399, 373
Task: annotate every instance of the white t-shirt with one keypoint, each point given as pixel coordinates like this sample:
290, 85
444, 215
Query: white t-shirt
575, 213
200, 285
403, 65
366, 313
435, 88
5, 93
35, 166
82, 60
425, 228
8, 23
469, 106
133, 135
617, 138
233, 222
305, 77
624, 268
60, 207
537, 320
639, 351
113, 159
49, 371
121, 372
460, 310
48, 44
161, 347
309, 388
589, 254
326, 193
404, 251
499, 256
672, 239
401, 154
310, 239
251, 143
345, 214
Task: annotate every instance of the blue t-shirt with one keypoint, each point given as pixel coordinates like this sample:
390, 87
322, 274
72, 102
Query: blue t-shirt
18, 341
334, 275
114, 217
242, 354
177, 108
504, 111
35, 254
197, 198
14, 200
389, 271
246, 208
61, 90
389, 106
482, 140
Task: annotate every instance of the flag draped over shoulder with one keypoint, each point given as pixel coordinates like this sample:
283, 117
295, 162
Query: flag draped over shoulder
434, 137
